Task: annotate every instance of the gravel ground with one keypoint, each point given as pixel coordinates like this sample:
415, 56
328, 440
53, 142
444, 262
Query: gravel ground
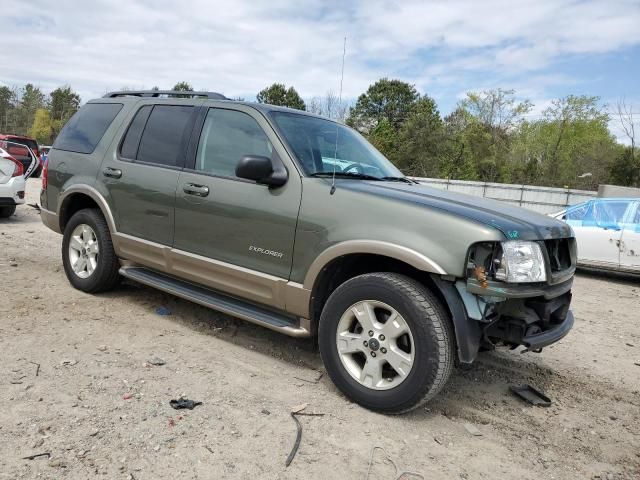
78, 382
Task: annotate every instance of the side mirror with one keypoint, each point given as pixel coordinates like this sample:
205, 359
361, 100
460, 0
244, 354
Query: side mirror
259, 169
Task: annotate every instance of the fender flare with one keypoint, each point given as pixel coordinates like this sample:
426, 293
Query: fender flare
404, 254
95, 195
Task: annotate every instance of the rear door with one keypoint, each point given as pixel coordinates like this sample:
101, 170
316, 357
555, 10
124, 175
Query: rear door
599, 232
142, 174
630, 251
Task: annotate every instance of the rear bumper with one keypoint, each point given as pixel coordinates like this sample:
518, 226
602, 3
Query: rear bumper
12, 192
50, 219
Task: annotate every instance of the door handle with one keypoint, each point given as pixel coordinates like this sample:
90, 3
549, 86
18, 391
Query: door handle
112, 172
197, 190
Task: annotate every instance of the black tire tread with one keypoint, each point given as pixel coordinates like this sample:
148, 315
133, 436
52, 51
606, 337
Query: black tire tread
436, 324
7, 211
108, 276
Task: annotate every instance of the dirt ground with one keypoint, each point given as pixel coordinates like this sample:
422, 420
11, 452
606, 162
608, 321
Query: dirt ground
70, 361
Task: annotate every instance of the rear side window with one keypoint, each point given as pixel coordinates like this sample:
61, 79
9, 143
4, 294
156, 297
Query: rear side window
85, 129
162, 141
129, 148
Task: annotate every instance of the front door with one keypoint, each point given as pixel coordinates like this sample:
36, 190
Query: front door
630, 252
599, 231
233, 234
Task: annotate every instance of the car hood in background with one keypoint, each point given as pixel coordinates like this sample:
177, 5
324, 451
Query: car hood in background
514, 222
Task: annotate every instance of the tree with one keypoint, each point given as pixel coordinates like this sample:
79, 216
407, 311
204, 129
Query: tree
625, 169
63, 103
31, 99
330, 106
391, 100
628, 123
182, 87
420, 140
42, 128
8, 101
278, 94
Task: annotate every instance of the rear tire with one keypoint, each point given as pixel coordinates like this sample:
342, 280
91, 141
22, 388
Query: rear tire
6, 212
402, 357
89, 260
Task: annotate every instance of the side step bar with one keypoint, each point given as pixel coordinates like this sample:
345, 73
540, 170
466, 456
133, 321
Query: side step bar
217, 301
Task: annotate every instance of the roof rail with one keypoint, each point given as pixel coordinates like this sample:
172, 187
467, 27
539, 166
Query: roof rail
159, 93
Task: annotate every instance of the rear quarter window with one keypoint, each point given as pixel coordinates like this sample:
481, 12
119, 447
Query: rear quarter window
84, 131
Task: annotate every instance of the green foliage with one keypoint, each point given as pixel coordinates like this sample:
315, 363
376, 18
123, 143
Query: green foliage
42, 128
182, 87
625, 169
278, 94
63, 103
488, 137
391, 100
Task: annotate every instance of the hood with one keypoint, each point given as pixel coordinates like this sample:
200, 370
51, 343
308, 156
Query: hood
514, 222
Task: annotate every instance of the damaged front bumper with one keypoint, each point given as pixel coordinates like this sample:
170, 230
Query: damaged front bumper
533, 316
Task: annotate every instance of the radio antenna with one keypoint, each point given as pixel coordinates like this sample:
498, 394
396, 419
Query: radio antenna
335, 154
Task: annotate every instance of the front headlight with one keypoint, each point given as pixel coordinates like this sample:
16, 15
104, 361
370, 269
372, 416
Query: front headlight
521, 262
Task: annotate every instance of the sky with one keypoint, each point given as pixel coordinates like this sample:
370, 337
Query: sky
543, 49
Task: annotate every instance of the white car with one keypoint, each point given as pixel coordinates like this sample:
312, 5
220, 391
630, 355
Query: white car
607, 232
13, 179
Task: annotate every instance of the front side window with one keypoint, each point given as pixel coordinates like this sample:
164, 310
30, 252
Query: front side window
606, 214
322, 145
227, 136
85, 129
162, 141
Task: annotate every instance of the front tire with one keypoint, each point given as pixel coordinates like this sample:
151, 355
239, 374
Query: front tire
89, 259
386, 342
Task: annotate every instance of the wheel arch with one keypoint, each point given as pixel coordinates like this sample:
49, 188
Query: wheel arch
341, 268
79, 197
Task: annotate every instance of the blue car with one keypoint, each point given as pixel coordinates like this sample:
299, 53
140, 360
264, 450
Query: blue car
607, 232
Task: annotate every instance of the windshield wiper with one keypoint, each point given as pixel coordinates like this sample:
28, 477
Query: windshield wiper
398, 179
361, 176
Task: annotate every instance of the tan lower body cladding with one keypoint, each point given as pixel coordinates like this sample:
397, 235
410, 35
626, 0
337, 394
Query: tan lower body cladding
241, 282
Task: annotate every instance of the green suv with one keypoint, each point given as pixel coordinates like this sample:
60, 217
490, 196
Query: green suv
296, 223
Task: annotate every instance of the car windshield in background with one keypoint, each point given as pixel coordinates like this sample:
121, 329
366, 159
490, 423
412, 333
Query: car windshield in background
313, 141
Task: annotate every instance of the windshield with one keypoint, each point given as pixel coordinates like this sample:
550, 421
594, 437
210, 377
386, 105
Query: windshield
313, 141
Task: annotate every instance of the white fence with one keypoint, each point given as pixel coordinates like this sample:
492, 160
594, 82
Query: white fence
540, 199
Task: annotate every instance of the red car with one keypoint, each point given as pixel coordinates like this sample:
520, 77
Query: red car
8, 143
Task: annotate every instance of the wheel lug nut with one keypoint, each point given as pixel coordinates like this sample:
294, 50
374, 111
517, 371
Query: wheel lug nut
365, 343
382, 338
371, 333
383, 350
373, 354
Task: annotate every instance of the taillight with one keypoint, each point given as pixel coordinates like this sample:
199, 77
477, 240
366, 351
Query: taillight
45, 174
19, 171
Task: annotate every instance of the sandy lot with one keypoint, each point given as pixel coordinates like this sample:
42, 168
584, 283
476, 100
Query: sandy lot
93, 354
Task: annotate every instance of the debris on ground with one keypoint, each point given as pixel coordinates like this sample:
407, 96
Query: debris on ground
127, 396
184, 403
531, 395
37, 367
68, 362
32, 457
156, 361
397, 475
163, 311
264, 411
472, 430
313, 378
34, 205
298, 410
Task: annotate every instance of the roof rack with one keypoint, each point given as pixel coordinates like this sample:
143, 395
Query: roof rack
159, 93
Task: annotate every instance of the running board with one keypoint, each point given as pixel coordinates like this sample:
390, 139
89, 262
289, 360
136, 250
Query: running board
217, 301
